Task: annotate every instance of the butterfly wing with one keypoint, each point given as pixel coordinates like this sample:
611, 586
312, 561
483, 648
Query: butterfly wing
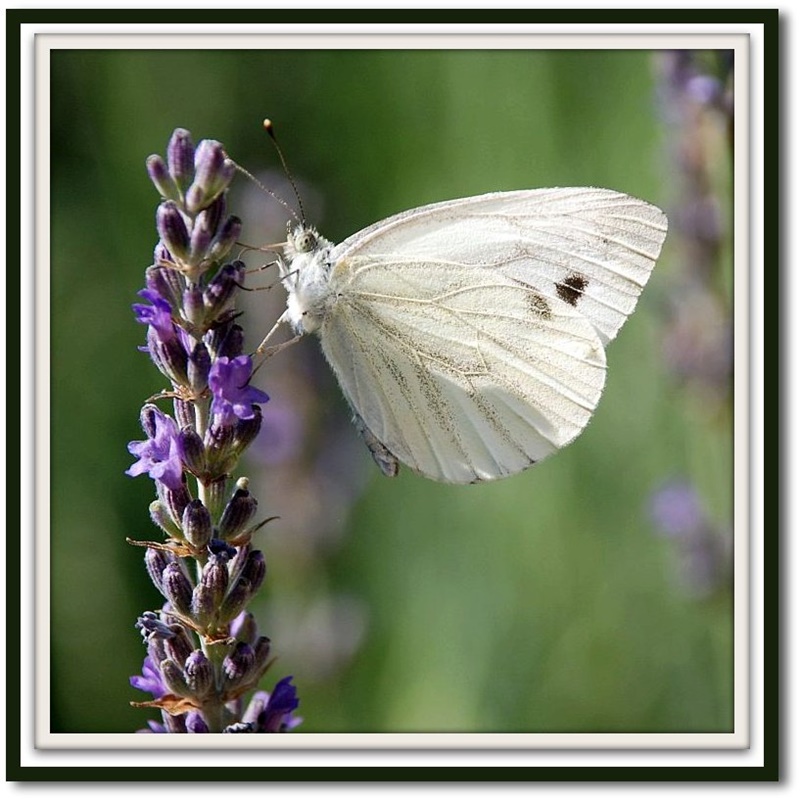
468, 335
591, 248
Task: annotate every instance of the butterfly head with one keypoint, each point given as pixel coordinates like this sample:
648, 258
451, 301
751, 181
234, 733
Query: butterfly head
302, 238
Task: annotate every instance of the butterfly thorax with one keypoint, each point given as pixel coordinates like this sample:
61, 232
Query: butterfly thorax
305, 273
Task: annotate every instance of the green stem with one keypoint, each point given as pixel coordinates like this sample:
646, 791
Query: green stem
201, 409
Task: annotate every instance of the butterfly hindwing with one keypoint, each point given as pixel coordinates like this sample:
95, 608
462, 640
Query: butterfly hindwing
469, 376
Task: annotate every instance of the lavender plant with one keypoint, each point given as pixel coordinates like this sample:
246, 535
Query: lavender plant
204, 651
696, 100
695, 92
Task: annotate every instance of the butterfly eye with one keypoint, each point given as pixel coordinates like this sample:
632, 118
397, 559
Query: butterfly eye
305, 242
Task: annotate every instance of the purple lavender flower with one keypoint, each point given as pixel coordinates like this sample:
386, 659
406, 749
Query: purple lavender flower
159, 454
167, 343
277, 715
233, 396
272, 712
150, 680
158, 315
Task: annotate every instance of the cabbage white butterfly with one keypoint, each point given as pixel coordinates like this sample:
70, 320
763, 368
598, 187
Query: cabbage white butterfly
469, 336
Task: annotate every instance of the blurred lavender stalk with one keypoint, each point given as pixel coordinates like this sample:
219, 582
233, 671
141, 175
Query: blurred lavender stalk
696, 100
204, 651
695, 93
702, 550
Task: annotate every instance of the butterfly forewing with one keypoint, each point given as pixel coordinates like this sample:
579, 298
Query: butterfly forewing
590, 248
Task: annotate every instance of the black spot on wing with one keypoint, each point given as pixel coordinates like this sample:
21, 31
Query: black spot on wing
570, 290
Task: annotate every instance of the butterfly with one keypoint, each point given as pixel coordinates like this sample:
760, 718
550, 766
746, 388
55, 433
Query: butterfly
469, 336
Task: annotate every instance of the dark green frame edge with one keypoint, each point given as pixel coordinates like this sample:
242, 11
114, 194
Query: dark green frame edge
770, 771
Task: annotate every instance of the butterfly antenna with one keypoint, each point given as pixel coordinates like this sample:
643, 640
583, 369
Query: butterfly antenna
269, 128
272, 194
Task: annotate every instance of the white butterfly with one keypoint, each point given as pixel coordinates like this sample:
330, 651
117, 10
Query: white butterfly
468, 336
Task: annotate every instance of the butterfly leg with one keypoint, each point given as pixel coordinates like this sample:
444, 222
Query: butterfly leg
262, 348
268, 352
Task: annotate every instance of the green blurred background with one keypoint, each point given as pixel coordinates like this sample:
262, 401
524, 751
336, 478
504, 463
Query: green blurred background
545, 602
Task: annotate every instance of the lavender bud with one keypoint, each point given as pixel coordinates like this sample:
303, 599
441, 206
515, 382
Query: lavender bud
199, 674
236, 600
238, 664
175, 500
173, 678
262, 649
237, 563
215, 577
225, 239
193, 452
197, 525
159, 175
255, 570
179, 647
172, 230
210, 218
168, 283
213, 173
156, 649
200, 244
219, 443
221, 290
193, 307
148, 416
177, 588
180, 158
246, 430
216, 490
183, 642
184, 413
163, 258
168, 355
156, 561
225, 340
209, 592
244, 628
160, 516
203, 608
198, 367
246, 571
237, 514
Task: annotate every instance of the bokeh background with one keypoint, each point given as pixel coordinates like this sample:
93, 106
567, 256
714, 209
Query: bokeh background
590, 594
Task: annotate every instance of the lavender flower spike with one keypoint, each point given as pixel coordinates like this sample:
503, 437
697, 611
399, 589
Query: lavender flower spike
204, 650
